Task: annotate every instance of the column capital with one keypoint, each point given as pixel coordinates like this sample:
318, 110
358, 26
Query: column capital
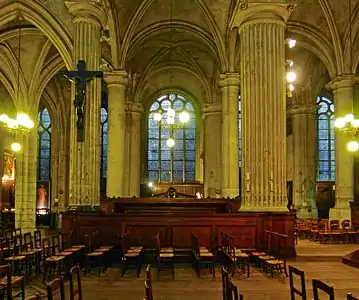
252, 12
135, 107
89, 11
342, 81
297, 109
229, 79
210, 109
116, 77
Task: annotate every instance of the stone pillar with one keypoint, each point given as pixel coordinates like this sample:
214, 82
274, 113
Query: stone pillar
2, 138
304, 159
116, 86
85, 156
212, 149
263, 95
343, 90
229, 84
26, 178
136, 111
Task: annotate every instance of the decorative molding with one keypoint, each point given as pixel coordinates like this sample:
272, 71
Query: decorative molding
229, 79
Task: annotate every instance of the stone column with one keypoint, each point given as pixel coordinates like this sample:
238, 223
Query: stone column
85, 156
304, 159
2, 138
263, 95
212, 149
343, 89
116, 86
26, 178
229, 84
136, 111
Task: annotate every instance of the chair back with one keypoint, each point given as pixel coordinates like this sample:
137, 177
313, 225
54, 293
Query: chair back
75, 283
5, 274
54, 285
229, 290
36, 297
320, 285
351, 297
37, 239
56, 246
293, 291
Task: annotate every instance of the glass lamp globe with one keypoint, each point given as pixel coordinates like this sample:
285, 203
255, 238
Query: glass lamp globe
171, 112
157, 117
16, 147
170, 142
291, 77
184, 117
353, 146
340, 123
291, 87
349, 118
355, 123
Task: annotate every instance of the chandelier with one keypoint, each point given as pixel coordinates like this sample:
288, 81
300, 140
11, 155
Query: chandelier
291, 76
22, 124
349, 125
168, 120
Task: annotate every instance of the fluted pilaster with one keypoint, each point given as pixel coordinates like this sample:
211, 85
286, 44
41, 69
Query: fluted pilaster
229, 84
85, 156
343, 90
304, 159
263, 96
136, 111
116, 86
212, 149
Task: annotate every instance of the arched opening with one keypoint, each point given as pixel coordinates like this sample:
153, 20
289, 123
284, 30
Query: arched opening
43, 159
171, 141
103, 145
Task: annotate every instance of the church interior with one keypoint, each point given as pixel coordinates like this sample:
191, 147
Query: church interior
179, 149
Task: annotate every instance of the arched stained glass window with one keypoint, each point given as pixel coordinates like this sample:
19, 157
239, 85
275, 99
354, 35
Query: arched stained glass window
103, 142
325, 137
44, 149
175, 163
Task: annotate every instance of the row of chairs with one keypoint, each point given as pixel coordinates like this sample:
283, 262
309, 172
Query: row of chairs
318, 285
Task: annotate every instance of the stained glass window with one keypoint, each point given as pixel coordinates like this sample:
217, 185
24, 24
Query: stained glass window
44, 148
325, 138
239, 132
103, 141
177, 163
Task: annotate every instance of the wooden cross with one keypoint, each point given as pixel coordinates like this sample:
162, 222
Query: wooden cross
80, 78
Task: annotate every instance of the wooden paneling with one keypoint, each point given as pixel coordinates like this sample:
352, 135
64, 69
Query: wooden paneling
354, 207
246, 228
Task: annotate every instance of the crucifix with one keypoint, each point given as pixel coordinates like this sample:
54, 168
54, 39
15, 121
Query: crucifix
80, 78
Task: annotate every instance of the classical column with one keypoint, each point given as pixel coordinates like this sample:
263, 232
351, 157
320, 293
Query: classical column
263, 95
116, 87
26, 178
229, 84
136, 111
85, 156
304, 158
343, 90
212, 149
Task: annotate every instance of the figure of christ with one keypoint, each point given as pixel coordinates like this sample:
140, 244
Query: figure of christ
41, 197
80, 78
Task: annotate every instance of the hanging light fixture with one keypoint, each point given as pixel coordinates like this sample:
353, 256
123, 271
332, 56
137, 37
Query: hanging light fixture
22, 124
349, 124
291, 76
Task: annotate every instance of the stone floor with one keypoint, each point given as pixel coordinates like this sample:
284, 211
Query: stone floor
187, 286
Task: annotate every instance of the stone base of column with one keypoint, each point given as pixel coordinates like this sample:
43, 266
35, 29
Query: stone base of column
340, 213
231, 193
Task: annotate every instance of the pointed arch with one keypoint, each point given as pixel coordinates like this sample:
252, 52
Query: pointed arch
39, 16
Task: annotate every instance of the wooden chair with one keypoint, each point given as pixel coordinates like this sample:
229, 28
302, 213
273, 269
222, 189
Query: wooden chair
53, 264
202, 255
293, 291
320, 285
7, 281
164, 257
36, 297
229, 290
279, 263
54, 285
148, 283
131, 255
75, 288
94, 259
351, 297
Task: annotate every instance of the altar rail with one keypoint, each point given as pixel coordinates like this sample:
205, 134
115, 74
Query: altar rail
247, 229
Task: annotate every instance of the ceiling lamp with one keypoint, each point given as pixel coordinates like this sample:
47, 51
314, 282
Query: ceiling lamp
291, 77
170, 142
16, 147
21, 124
291, 43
